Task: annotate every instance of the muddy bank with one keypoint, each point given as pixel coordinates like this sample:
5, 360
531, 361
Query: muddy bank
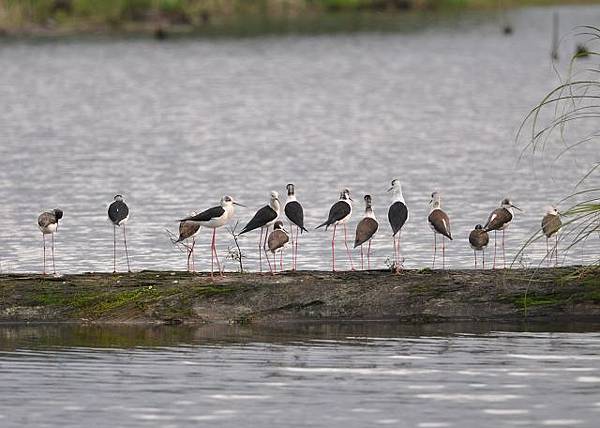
569, 294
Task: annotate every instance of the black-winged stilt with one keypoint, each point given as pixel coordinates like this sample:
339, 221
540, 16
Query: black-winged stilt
551, 224
479, 238
439, 223
48, 224
214, 218
264, 218
118, 213
365, 229
295, 213
500, 219
398, 216
276, 242
339, 213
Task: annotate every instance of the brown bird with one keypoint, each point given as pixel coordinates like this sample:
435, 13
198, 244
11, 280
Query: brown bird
365, 230
479, 238
551, 224
439, 223
188, 229
48, 224
276, 241
500, 219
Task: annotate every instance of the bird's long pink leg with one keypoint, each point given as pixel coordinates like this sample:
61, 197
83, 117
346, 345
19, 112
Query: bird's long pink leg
281, 261
399, 250
369, 256
44, 239
53, 263
395, 253
475, 255
192, 254
434, 249
189, 251
556, 250
483, 259
333, 249
503, 251
114, 249
348, 249
296, 249
548, 255
495, 239
260, 250
215, 250
443, 253
266, 253
362, 259
126, 252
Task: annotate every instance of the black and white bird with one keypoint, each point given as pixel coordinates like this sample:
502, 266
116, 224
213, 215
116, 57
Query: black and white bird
48, 224
339, 213
479, 238
551, 224
214, 218
365, 230
295, 213
276, 242
188, 230
439, 222
118, 214
263, 219
500, 219
398, 216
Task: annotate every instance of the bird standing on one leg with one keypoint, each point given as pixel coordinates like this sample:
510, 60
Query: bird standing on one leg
276, 242
48, 224
398, 216
214, 218
339, 213
295, 213
365, 230
118, 213
439, 223
551, 224
479, 238
500, 219
264, 218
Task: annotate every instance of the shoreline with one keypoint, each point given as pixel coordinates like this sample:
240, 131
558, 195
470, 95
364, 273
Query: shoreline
570, 294
162, 25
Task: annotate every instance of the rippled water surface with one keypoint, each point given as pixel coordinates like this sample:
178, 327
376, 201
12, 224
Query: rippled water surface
312, 375
175, 125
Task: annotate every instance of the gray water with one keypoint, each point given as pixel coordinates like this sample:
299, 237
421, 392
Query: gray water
175, 125
352, 375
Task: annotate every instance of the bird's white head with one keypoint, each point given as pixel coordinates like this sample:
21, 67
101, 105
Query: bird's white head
228, 201
118, 198
345, 195
274, 201
506, 203
290, 189
551, 210
396, 190
436, 200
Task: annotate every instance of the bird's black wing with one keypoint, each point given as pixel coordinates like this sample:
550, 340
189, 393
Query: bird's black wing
498, 218
118, 211
397, 215
293, 210
365, 230
263, 216
207, 215
338, 211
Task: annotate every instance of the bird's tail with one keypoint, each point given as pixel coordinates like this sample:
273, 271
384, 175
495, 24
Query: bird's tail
303, 229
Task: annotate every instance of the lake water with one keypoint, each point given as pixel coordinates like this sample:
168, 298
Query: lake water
333, 375
175, 125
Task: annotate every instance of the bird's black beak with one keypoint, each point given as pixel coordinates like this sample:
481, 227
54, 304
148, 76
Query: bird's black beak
238, 204
516, 207
350, 198
390, 189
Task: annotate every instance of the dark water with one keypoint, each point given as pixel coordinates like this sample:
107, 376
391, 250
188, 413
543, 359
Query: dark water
334, 375
175, 125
